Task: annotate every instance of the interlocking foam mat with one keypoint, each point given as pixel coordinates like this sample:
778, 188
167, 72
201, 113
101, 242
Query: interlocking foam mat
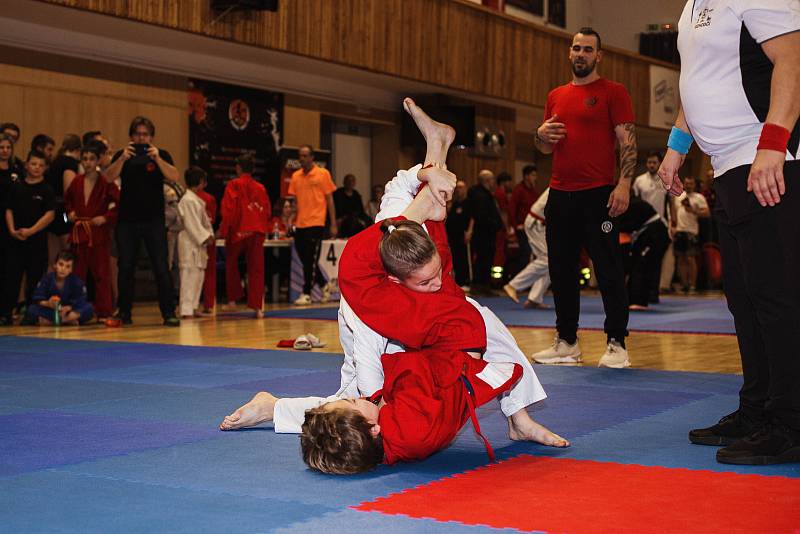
121, 437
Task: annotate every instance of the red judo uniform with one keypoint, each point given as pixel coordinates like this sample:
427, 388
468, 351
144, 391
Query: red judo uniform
430, 393
443, 319
92, 244
429, 396
245, 213
210, 279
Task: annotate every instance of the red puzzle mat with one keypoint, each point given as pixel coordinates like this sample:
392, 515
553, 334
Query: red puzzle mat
581, 496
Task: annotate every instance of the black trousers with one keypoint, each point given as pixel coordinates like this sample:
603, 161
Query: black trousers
760, 258
646, 255
458, 249
576, 219
308, 242
130, 235
483, 248
27, 257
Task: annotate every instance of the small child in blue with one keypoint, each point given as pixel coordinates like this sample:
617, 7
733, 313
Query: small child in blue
63, 288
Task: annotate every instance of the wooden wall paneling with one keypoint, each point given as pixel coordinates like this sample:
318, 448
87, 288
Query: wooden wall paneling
453, 44
55, 113
12, 108
300, 126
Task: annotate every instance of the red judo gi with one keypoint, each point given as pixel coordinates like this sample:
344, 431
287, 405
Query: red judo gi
210, 279
92, 244
430, 393
443, 319
429, 396
245, 212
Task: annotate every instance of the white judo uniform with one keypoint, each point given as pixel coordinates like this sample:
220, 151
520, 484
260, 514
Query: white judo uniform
362, 372
535, 275
192, 255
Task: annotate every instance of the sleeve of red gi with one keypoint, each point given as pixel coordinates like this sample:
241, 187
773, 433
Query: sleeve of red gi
228, 210
415, 319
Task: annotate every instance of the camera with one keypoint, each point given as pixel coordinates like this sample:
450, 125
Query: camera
140, 149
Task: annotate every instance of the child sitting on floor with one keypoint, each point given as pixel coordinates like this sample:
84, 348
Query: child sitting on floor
60, 292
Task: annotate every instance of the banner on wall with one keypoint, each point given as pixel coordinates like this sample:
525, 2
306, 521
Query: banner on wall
226, 121
664, 96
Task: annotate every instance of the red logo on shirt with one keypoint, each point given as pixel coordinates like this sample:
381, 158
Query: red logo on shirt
590, 101
150, 167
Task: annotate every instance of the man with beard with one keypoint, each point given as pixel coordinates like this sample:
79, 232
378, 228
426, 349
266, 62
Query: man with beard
583, 119
647, 186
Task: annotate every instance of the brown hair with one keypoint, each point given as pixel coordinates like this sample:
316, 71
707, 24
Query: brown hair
339, 442
405, 247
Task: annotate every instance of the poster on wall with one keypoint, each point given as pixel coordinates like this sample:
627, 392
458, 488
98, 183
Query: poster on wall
663, 96
226, 121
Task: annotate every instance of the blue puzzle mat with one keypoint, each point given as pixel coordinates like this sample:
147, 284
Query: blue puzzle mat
122, 437
673, 314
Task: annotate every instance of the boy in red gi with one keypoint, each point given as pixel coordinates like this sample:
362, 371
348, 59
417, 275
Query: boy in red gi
245, 212
91, 203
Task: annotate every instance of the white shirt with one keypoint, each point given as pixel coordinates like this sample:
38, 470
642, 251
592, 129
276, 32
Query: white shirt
685, 221
725, 75
648, 187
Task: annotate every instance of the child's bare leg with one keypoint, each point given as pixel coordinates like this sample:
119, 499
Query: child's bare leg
260, 409
438, 136
522, 428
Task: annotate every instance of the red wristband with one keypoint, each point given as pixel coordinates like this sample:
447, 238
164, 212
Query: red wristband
773, 137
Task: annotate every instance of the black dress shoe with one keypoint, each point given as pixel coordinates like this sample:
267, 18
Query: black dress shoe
172, 321
729, 429
771, 444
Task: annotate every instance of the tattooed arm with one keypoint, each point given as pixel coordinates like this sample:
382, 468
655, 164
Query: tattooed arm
620, 196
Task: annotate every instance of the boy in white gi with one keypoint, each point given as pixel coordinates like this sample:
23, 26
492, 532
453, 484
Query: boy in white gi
197, 233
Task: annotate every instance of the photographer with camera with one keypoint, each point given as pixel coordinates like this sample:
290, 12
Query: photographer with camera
142, 168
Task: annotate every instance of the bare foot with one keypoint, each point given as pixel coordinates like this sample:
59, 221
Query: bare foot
523, 428
259, 410
530, 305
433, 132
258, 314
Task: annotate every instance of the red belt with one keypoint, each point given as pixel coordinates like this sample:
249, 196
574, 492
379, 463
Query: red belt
540, 219
82, 222
475, 423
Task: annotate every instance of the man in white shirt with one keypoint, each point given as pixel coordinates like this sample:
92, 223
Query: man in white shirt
687, 209
647, 186
738, 86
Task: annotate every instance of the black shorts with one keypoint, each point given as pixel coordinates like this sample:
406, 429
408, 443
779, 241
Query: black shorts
686, 244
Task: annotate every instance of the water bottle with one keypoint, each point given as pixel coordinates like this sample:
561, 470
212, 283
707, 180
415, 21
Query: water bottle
57, 313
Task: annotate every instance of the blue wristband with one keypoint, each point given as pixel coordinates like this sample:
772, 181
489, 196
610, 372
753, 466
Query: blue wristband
679, 141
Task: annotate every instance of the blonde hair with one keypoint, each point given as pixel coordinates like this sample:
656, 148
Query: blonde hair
405, 247
339, 442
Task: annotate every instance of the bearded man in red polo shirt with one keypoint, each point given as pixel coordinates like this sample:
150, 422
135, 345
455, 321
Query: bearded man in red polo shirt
583, 119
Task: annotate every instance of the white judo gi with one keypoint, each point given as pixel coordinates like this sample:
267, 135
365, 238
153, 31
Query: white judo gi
192, 255
362, 372
535, 275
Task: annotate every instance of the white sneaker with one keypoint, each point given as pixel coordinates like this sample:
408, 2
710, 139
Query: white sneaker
560, 352
303, 300
615, 356
326, 293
